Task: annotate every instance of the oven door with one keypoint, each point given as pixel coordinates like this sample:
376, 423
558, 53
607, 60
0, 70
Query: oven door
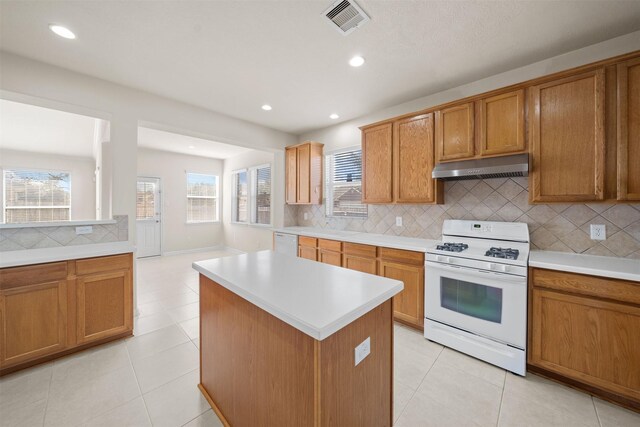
486, 303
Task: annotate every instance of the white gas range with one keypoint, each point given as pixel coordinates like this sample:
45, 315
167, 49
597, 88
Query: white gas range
476, 291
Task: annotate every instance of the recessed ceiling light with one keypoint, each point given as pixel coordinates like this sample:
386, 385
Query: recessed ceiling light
192, 147
62, 31
356, 61
334, 116
266, 107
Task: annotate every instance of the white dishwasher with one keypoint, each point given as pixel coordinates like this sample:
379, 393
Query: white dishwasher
286, 244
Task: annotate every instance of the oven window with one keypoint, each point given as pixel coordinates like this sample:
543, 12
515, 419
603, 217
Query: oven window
471, 299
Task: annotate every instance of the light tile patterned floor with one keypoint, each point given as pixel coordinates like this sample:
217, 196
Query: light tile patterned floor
151, 379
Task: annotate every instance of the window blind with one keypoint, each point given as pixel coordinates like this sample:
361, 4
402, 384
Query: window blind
262, 203
202, 197
241, 197
344, 185
36, 196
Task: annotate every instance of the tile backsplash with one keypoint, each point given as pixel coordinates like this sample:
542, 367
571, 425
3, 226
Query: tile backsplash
14, 239
554, 227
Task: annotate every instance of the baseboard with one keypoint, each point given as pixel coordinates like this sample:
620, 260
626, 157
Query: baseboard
194, 250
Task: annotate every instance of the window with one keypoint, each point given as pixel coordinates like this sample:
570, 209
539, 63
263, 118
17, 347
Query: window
344, 184
202, 198
145, 200
252, 195
240, 197
261, 195
36, 196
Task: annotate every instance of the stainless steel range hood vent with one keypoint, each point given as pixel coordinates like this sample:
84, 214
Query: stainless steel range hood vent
494, 167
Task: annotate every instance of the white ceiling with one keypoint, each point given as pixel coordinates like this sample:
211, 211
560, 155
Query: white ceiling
29, 128
232, 56
175, 143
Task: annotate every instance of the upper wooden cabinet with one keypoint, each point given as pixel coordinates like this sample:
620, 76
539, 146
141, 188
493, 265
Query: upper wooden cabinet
377, 164
501, 129
567, 139
397, 161
414, 159
628, 113
303, 174
455, 132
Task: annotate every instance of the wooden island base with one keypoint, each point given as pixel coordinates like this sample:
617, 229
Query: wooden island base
256, 370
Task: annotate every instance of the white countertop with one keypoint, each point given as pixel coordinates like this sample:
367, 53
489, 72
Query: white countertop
39, 256
615, 268
58, 223
396, 242
315, 298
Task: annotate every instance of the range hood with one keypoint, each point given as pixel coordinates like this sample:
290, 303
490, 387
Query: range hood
493, 167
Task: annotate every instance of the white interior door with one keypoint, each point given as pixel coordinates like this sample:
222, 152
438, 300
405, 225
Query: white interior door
148, 217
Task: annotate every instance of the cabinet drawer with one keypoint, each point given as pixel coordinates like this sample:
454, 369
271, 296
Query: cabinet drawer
364, 251
330, 245
401, 256
107, 263
310, 242
30, 274
612, 289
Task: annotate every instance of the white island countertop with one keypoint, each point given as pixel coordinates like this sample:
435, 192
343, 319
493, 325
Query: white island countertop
384, 240
315, 298
615, 268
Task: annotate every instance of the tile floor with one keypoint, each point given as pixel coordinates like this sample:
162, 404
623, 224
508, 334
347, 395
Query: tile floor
151, 379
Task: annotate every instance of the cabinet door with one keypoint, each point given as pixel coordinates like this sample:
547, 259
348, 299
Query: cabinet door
377, 164
567, 139
364, 265
34, 321
331, 258
629, 130
291, 178
304, 174
307, 253
502, 124
454, 132
590, 340
408, 305
104, 304
414, 160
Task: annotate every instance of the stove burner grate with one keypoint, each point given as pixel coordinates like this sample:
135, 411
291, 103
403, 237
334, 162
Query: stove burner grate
506, 253
452, 247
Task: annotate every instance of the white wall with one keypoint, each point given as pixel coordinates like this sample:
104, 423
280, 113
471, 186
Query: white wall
30, 81
81, 169
347, 134
243, 236
171, 168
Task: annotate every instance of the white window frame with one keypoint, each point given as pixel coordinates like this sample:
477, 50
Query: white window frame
26, 169
252, 192
328, 187
216, 197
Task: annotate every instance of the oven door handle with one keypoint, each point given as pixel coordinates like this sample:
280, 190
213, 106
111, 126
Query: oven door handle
466, 270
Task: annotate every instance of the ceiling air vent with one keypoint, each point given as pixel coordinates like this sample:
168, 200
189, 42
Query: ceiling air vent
346, 16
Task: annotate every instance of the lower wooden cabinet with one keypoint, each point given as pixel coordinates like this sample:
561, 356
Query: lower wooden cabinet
586, 330
54, 308
408, 305
307, 248
330, 257
104, 304
363, 265
34, 321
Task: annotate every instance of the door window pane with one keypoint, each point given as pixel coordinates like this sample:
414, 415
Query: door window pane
145, 200
479, 301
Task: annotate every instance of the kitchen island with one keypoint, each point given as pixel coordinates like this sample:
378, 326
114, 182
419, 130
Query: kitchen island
283, 341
